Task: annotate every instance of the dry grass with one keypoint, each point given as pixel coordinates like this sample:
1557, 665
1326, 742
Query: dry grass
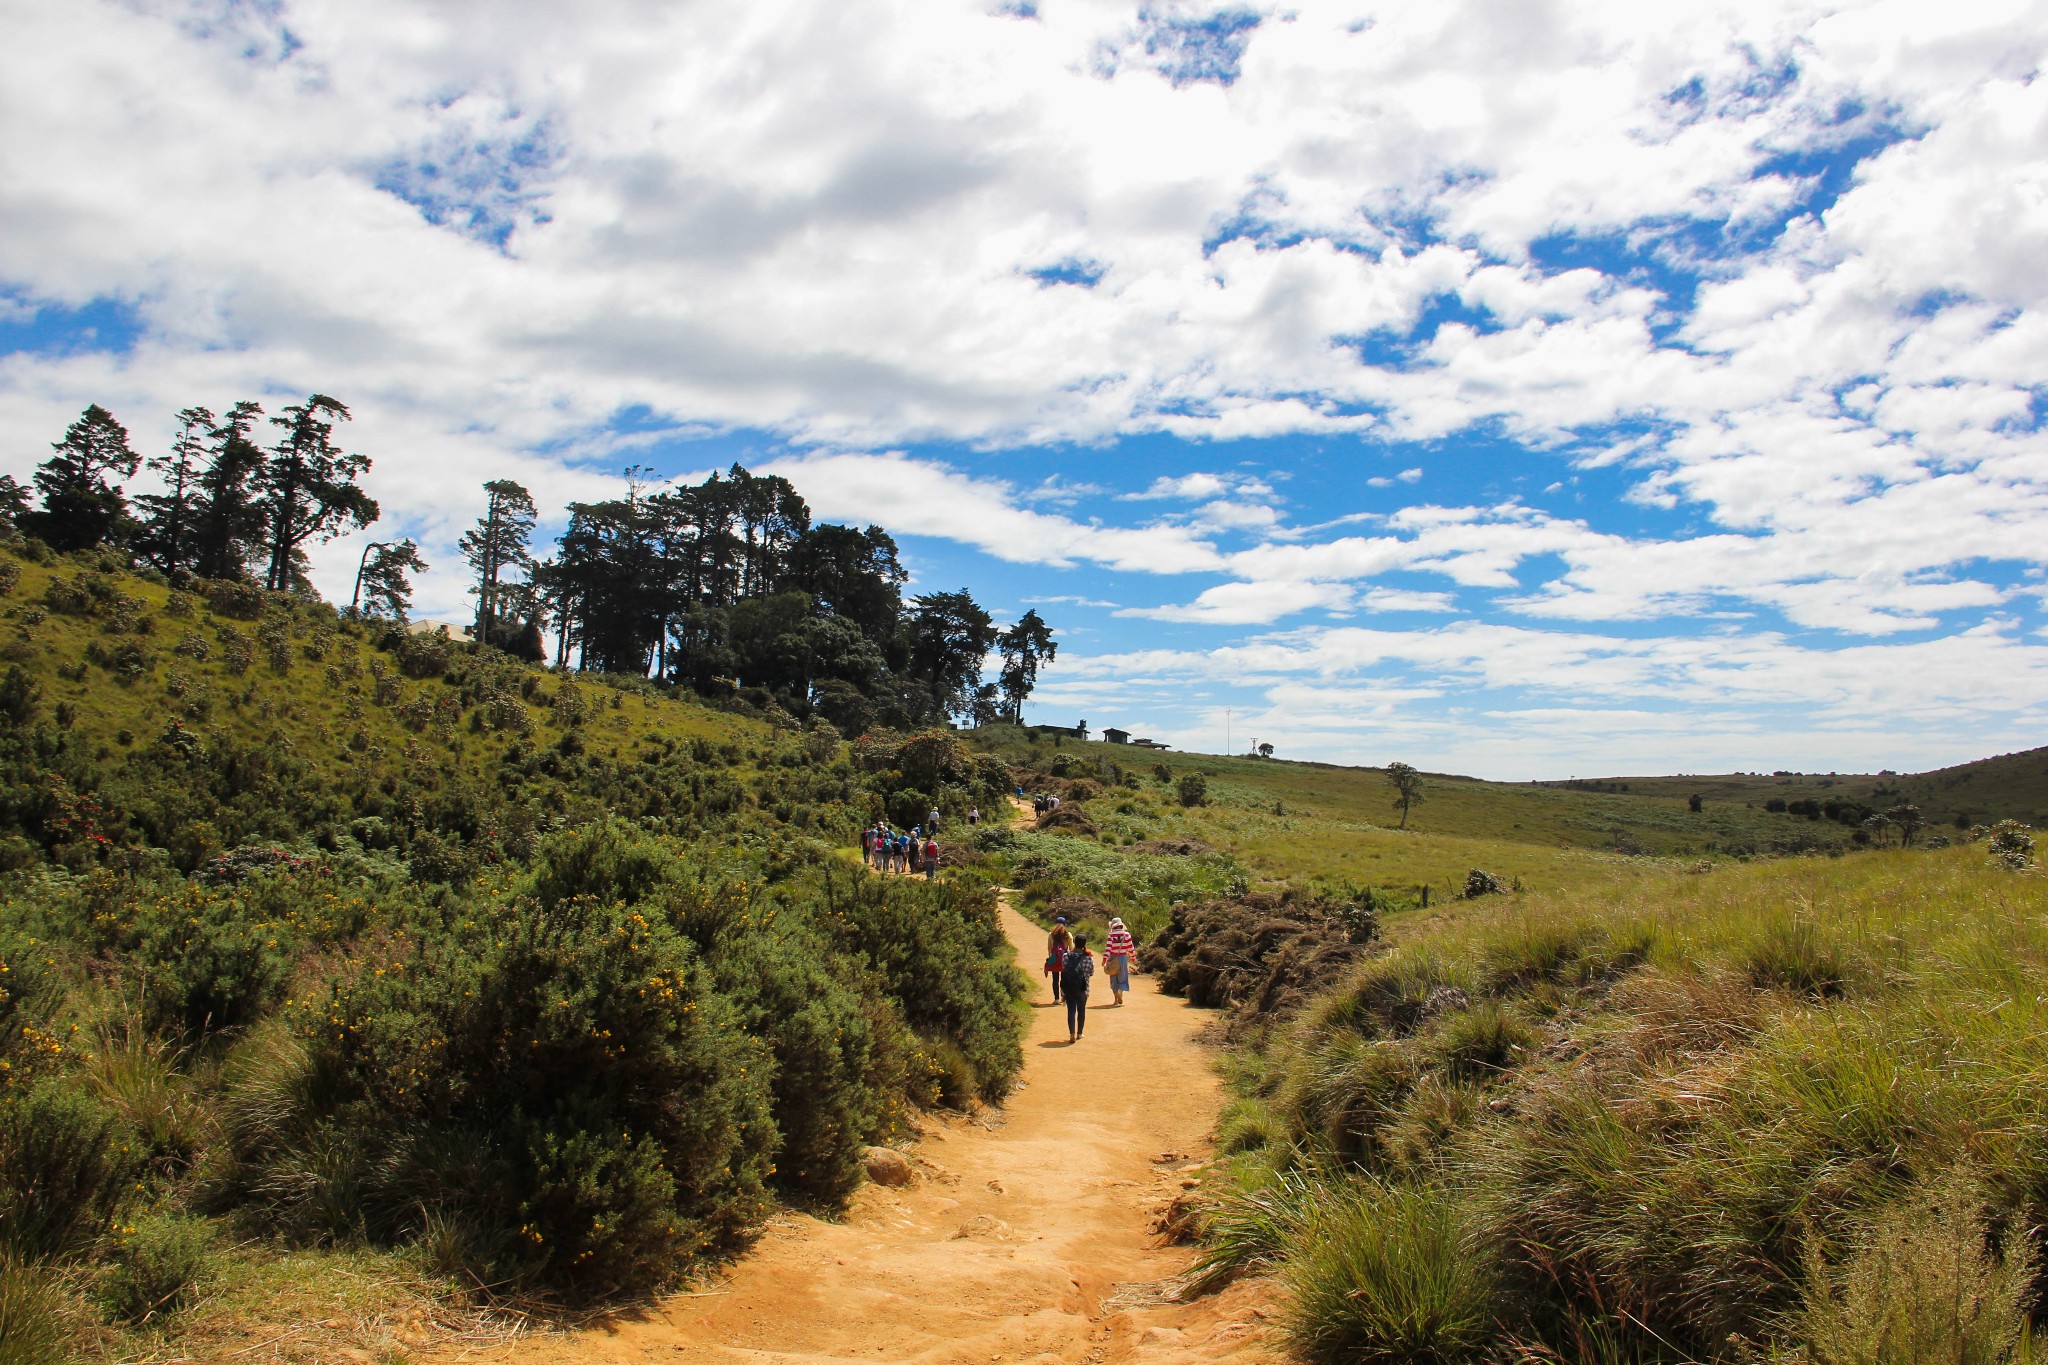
1662, 1117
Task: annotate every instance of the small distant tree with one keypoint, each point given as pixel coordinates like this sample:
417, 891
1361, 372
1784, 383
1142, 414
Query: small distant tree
1877, 828
387, 579
13, 503
229, 527
499, 544
1159, 770
1693, 803
1193, 789
309, 486
2012, 845
170, 519
1264, 750
1025, 646
1907, 820
81, 508
1407, 789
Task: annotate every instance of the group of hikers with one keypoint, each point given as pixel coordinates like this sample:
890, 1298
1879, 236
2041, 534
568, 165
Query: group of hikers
888, 849
892, 850
1072, 968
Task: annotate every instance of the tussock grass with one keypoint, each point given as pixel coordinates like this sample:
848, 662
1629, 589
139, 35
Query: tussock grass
1720, 1118
1389, 1273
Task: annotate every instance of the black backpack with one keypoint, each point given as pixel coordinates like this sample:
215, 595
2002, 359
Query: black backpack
1074, 973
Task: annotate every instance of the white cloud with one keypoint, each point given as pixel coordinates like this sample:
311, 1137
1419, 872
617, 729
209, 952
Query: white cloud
497, 229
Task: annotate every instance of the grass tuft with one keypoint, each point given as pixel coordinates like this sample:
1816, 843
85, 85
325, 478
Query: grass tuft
1387, 1273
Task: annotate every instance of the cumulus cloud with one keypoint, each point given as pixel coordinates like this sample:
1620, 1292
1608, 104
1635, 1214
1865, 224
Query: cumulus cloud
1771, 268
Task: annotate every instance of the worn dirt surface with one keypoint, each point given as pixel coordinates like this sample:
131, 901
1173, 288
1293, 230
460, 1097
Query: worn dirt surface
1028, 1234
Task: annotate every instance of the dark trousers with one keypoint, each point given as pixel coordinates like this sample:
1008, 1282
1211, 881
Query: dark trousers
1077, 1012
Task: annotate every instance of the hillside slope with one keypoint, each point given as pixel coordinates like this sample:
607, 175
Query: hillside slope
1338, 826
1784, 1111
325, 944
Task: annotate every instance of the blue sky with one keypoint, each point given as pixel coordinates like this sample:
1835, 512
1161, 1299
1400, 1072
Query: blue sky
1527, 391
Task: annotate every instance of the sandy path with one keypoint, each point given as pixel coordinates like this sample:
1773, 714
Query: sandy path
1027, 1231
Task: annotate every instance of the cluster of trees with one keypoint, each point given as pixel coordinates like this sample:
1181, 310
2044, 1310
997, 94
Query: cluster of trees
231, 507
1903, 819
727, 585
724, 585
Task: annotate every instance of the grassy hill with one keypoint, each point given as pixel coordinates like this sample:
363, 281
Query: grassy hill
327, 949
1337, 826
2007, 787
1784, 1111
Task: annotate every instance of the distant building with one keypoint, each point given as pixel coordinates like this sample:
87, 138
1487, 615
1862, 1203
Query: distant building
1149, 744
459, 634
1116, 736
1070, 731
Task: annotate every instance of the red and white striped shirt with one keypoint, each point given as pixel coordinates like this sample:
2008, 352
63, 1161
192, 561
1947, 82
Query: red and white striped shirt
1119, 944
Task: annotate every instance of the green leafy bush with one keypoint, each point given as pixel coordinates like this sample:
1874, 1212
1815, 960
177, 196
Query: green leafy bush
933, 946
157, 1265
67, 1168
564, 1074
209, 960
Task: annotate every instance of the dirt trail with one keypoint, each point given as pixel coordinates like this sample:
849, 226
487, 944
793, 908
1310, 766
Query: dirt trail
1028, 1235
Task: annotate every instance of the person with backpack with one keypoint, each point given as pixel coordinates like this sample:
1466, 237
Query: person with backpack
1118, 951
1075, 972
931, 857
1057, 944
931, 821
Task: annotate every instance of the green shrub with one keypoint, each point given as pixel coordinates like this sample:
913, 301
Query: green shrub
208, 959
780, 973
67, 1168
609, 862
28, 985
157, 1266
1391, 1274
937, 948
434, 858
33, 1316
565, 1074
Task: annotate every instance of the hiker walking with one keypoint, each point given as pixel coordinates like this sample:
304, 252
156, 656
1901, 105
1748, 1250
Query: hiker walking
973, 816
931, 857
1118, 951
931, 821
1057, 944
1074, 974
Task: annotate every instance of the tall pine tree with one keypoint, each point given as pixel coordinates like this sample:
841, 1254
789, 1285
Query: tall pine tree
309, 490
1025, 646
81, 509
230, 523
384, 582
170, 519
499, 544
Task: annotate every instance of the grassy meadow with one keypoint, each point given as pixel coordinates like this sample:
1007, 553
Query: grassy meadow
1790, 1110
